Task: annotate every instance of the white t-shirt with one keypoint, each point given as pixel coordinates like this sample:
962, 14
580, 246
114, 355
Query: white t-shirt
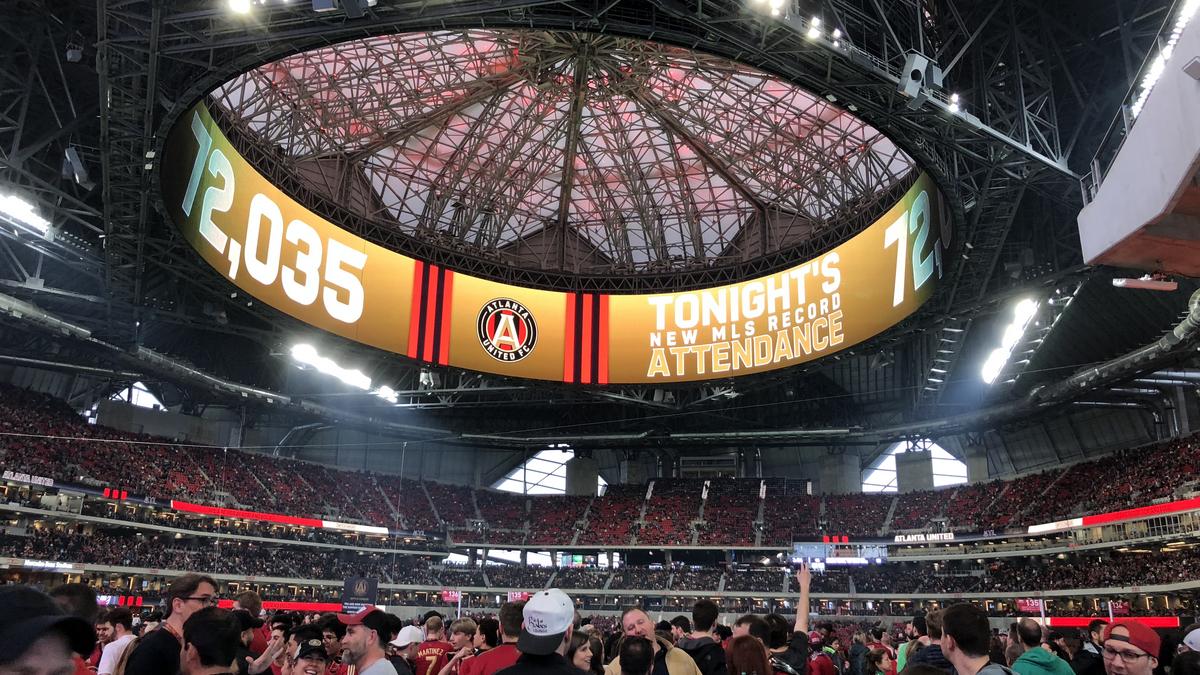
112, 654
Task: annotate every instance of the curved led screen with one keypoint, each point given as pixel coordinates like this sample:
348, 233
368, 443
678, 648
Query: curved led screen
279, 252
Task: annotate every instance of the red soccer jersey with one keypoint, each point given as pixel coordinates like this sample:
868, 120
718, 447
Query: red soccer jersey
491, 661
431, 657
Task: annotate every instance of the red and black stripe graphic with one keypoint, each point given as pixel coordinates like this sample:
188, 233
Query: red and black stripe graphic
429, 331
585, 358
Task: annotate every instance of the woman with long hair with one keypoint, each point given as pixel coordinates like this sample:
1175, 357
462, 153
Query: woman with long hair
586, 653
746, 656
879, 662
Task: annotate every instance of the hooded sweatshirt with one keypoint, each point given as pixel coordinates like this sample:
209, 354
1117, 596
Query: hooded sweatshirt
706, 652
1038, 661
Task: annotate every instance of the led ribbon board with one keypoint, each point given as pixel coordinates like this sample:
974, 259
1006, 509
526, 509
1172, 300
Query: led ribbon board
279, 252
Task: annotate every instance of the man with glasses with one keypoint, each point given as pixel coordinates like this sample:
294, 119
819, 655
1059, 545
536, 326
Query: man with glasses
1130, 648
157, 653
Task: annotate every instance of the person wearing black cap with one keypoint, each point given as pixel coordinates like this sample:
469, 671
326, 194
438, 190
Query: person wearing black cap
248, 623
36, 637
367, 633
312, 658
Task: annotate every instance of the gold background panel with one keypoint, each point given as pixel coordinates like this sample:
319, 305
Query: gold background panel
548, 309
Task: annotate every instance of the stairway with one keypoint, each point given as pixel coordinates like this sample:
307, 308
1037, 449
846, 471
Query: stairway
475, 507
641, 519
1037, 502
758, 519
999, 495
584, 519
396, 515
429, 499
887, 521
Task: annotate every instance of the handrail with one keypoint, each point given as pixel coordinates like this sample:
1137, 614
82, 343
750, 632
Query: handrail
1111, 143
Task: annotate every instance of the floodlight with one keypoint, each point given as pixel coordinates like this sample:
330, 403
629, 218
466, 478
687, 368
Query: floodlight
814, 28
239, 6
993, 365
21, 212
1023, 313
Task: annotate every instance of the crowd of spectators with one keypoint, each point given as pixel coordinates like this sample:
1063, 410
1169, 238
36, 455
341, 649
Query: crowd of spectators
167, 553
640, 578
673, 505
860, 515
915, 509
611, 519
581, 577
695, 579
46, 438
502, 510
789, 512
457, 576
760, 580
729, 513
554, 517
519, 576
1097, 571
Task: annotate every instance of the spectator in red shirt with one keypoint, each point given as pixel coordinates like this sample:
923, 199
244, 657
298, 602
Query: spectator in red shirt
431, 655
505, 655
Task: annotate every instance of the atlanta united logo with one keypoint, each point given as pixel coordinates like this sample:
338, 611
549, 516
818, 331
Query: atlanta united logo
506, 329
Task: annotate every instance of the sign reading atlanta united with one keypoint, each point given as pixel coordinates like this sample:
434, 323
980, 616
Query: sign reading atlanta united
506, 330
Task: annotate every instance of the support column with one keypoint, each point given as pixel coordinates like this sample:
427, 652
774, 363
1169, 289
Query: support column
914, 470
1181, 412
975, 457
841, 474
582, 475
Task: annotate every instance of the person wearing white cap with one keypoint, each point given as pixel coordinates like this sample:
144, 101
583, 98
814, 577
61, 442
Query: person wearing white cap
1191, 639
548, 620
403, 650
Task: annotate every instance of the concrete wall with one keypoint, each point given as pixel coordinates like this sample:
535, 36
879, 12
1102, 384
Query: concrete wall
841, 474
170, 425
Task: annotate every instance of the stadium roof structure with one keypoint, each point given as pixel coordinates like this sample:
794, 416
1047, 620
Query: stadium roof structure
573, 152
703, 143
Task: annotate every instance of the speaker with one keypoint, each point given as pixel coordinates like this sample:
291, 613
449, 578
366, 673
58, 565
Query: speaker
920, 75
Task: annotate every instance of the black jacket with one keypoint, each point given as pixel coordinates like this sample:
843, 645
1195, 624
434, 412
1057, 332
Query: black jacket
796, 656
1088, 661
858, 659
707, 653
528, 664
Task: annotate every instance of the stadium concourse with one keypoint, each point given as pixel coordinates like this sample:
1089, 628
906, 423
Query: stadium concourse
636, 337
